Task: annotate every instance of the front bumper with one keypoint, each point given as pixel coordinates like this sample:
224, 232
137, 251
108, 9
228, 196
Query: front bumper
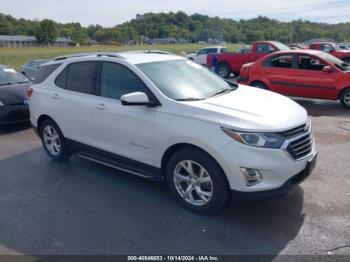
287, 186
277, 168
13, 114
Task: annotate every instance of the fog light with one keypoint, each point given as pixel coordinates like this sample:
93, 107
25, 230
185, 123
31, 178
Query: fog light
252, 176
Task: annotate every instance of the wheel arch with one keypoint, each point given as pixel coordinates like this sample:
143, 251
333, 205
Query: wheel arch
342, 91
41, 119
170, 151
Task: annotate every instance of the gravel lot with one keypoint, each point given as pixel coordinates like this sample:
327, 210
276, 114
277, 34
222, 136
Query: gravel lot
81, 207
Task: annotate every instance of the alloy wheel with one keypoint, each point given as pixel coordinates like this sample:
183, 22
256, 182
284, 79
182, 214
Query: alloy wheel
193, 182
52, 140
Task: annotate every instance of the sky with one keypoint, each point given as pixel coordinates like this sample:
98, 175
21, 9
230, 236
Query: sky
113, 12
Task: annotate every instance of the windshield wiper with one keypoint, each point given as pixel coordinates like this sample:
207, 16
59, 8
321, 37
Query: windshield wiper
222, 91
190, 99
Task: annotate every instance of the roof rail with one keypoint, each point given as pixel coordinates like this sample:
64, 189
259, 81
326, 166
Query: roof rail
160, 52
115, 55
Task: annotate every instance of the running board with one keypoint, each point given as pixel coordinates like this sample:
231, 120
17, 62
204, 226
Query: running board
114, 166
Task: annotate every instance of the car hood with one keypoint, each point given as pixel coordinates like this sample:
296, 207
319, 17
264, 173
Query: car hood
250, 109
14, 94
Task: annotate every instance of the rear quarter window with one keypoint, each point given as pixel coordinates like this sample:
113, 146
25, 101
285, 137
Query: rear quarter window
44, 72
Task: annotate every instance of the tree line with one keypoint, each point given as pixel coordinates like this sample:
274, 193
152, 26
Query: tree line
179, 25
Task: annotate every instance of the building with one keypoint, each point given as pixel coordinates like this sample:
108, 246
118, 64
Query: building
30, 41
163, 41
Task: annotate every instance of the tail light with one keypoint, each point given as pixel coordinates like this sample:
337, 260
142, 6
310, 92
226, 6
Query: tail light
30, 92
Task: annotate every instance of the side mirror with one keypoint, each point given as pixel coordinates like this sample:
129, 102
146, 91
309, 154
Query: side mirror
327, 69
136, 99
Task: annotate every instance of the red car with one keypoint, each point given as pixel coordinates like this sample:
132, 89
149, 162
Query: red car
332, 49
301, 73
232, 62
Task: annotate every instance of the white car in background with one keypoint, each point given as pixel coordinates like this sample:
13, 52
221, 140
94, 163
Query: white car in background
163, 117
200, 57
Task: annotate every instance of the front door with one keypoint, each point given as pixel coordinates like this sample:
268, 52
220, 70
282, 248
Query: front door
311, 81
126, 131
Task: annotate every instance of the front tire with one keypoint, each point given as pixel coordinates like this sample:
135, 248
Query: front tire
197, 181
345, 98
53, 141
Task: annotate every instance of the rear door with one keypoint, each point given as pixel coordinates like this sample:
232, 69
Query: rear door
311, 81
70, 101
279, 73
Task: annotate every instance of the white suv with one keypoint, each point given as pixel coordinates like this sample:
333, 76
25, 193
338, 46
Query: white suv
164, 117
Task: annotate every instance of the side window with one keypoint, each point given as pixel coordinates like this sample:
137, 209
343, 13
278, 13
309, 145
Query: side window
44, 73
117, 80
203, 52
306, 62
282, 61
62, 79
265, 49
82, 77
212, 51
326, 48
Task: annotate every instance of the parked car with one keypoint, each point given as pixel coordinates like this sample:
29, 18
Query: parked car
200, 57
343, 46
245, 50
163, 117
31, 68
302, 73
332, 49
231, 63
295, 46
13, 99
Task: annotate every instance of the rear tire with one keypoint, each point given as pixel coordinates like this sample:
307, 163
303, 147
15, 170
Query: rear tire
197, 181
259, 84
53, 141
345, 98
224, 70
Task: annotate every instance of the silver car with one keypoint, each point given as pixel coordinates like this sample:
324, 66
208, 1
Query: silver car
31, 68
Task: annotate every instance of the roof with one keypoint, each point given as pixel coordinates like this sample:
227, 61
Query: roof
141, 58
20, 38
132, 58
27, 38
299, 51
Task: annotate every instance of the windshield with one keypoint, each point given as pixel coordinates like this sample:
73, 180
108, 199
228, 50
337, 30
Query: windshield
280, 46
184, 80
40, 62
9, 76
336, 61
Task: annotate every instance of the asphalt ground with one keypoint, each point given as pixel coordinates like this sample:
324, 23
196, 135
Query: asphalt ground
79, 207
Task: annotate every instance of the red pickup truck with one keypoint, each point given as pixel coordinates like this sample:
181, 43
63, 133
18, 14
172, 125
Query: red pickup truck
232, 62
332, 49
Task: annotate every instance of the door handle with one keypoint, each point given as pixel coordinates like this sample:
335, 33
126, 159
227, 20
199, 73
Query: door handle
55, 96
101, 107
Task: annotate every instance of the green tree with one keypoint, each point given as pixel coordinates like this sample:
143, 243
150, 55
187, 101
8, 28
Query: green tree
46, 32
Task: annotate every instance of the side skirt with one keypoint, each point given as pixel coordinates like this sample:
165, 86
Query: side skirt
115, 161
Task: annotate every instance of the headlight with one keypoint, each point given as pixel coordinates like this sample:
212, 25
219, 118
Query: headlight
268, 140
1, 103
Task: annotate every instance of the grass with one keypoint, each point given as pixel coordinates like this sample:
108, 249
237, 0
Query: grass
16, 57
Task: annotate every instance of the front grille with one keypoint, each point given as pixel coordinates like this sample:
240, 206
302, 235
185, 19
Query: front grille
300, 147
293, 132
